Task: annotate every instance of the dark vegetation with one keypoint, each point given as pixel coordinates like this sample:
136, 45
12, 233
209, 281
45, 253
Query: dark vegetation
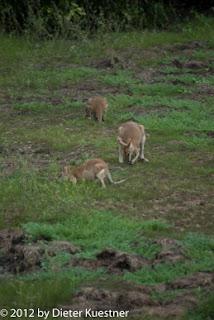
69, 18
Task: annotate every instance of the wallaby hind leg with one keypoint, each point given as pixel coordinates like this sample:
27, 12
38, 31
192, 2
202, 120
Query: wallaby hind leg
136, 157
99, 117
104, 115
101, 176
142, 157
94, 116
87, 112
130, 157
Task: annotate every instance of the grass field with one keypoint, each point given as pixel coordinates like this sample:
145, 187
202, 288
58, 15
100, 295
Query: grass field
43, 90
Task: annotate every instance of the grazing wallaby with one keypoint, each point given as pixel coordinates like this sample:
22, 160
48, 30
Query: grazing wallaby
96, 108
90, 170
131, 139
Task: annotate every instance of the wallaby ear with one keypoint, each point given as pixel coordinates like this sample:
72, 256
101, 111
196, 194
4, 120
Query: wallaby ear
142, 127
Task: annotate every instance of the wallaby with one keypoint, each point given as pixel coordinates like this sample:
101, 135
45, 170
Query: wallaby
90, 170
96, 108
131, 139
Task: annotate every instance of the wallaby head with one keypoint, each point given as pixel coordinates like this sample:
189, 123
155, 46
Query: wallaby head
73, 179
128, 146
68, 175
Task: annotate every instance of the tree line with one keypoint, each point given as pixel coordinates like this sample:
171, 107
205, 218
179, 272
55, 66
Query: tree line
47, 18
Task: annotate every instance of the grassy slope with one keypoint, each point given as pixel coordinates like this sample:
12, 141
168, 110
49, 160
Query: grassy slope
42, 94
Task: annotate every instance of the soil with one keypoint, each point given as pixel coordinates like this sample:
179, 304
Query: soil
18, 255
138, 299
192, 64
84, 90
117, 262
159, 111
114, 261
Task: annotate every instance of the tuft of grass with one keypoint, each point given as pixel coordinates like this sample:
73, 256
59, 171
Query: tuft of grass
44, 290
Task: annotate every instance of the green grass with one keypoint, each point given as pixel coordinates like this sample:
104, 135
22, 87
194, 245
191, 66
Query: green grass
204, 311
159, 89
122, 78
44, 87
34, 290
199, 252
94, 231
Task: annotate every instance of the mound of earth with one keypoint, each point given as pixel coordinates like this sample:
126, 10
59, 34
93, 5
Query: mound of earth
138, 300
115, 261
192, 64
171, 251
199, 279
17, 255
105, 299
118, 262
110, 63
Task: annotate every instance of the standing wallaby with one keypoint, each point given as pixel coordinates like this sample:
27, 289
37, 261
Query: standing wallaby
90, 170
96, 108
131, 139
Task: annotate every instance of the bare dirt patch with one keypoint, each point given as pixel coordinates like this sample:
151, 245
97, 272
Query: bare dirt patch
192, 64
191, 211
160, 110
115, 61
148, 75
199, 279
171, 251
114, 261
205, 89
137, 299
84, 90
190, 45
40, 156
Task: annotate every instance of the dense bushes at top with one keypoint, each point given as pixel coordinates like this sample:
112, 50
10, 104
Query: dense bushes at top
46, 18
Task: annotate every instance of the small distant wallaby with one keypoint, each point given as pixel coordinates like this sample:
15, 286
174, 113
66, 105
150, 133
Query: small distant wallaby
90, 170
131, 139
96, 108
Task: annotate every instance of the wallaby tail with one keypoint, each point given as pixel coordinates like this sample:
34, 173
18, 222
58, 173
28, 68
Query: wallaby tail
112, 181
